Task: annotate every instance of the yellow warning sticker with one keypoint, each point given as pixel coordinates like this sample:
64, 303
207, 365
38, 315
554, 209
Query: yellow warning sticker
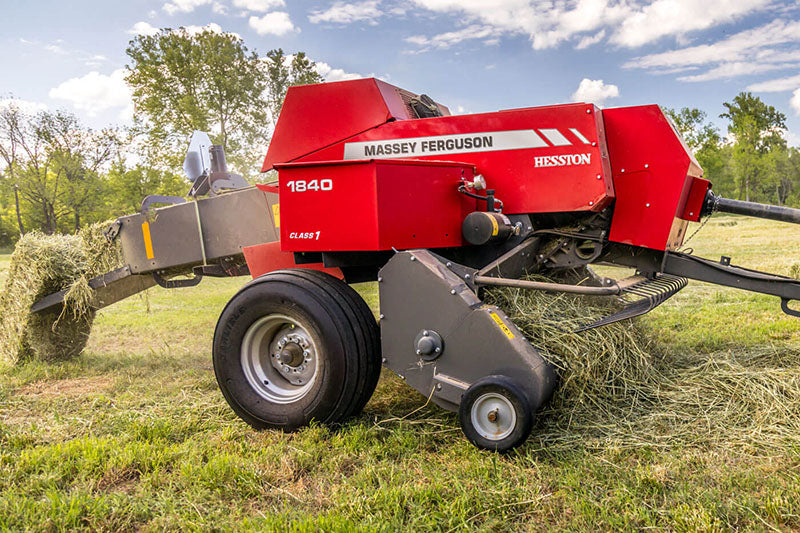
276, 214
495, 226
502, 325
148, 242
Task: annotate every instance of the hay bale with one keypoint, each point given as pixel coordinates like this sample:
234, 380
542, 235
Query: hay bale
621, 388
44, 264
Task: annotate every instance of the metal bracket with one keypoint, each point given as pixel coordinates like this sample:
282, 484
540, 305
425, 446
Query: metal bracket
179, 283
786, 309
160, 199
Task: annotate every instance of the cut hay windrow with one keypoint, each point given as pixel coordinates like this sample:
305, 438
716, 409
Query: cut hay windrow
620, 388
44, 264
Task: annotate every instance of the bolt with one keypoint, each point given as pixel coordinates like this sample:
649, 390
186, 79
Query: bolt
647, 204
384, 360
448, 264
594, 144
306, 353
646, 165
425, 333
492, 416
438, 386
623, 170
452, 291
591, 203
380, 279
413, 258
438, 349
599, 176
419, 352
691, 214
300, 368
589, 110
466, 276
381, 316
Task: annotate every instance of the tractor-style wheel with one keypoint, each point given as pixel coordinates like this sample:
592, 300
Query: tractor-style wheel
295, 346
495, 414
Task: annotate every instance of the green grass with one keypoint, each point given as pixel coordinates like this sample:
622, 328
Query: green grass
135, 435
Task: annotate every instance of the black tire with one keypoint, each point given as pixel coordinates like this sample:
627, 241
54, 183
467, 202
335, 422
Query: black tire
320, 311
365, 323
512, 411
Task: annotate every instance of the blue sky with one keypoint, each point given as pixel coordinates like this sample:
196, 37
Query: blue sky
472, 55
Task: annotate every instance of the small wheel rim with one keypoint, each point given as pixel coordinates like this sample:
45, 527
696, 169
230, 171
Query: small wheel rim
493, 416
271, 377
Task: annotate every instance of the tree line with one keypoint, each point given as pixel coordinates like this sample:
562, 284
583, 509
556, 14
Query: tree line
57, 175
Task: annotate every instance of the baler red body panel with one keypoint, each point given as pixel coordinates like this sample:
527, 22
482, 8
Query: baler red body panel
510, 143
570, 158
653, 173
372, 205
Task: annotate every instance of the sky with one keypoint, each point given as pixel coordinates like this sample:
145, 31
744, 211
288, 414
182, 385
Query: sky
471, 55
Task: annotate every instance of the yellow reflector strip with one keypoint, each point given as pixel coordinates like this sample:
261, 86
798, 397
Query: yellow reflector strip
276, 213
148, 242
502, 325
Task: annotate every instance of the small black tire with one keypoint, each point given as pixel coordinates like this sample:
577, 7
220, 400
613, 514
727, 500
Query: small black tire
495, 414
327, 372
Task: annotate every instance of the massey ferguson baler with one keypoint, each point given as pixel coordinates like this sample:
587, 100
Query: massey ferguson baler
379, 184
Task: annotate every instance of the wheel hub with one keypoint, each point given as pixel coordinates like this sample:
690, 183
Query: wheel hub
279, 358
493, 416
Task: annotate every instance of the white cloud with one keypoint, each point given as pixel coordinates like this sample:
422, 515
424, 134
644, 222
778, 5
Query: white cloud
211, 26
143, 28
334, 74
262, 6
734, 69
345, 13
771, 46
628, 23
678, 17
94, 93
26, 106
183, 6
275, 23
795, 101
219, 8
448, 39
594, 91
776, 85
588, 41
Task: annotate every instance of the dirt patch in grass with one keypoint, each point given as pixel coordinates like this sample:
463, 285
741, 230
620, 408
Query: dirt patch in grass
68, 388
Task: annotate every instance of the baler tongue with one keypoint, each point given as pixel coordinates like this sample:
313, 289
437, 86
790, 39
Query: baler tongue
640, 298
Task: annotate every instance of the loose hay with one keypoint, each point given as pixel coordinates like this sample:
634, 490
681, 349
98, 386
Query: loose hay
44, 264
620, 388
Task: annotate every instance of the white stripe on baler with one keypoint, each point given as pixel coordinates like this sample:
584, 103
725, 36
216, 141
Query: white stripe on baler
579, 135
555, 137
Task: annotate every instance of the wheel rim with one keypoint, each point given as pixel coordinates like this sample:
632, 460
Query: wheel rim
280, 358
493, 416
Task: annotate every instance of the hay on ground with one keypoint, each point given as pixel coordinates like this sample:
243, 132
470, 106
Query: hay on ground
44, 264
620, 388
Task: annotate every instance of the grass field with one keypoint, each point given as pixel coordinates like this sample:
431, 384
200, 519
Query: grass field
135, 435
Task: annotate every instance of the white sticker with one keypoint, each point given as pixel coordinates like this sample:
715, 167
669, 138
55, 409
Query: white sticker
444, 144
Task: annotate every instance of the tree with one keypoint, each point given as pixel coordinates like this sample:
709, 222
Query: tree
12, 136
286, 71
127, 187
691, 122
205, 81
756, 128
